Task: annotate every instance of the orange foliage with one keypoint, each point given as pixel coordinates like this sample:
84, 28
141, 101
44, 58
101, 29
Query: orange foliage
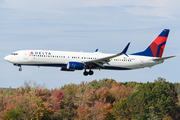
42, 94
120, 92
36, 105
103, 94
108, 107
167, 118
103, 100
83, 112
91, 113
87, 97
55, 100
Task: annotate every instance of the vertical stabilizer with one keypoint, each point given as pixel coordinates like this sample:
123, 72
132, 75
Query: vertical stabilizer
156, 48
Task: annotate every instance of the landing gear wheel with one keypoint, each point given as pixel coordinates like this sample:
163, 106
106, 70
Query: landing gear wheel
85, 73
20, 69
91, 72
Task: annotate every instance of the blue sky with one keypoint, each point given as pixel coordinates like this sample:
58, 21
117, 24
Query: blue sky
81, 25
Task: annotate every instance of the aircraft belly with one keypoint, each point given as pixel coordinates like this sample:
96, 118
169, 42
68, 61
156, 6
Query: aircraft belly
125, 65
115, 68
43, 62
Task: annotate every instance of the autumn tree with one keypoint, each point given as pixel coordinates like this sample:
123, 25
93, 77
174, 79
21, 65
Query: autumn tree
105, 99
29, 107
120, 92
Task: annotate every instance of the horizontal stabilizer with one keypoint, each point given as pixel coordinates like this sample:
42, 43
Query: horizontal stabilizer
164, 58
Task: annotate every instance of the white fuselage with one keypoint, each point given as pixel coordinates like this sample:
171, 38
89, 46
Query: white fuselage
61, 58
71, 61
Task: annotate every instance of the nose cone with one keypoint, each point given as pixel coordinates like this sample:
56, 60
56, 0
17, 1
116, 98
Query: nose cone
7, 58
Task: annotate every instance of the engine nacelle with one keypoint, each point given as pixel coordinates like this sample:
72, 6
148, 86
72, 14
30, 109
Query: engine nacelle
64, 69
75, 66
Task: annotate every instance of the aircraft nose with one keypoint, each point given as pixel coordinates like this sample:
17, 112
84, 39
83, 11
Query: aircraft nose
7, 58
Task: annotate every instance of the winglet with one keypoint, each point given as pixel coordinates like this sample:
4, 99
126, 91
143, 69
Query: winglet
126, 48
96, 50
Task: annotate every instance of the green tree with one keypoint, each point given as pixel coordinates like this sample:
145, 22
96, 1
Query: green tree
68, 108
14, 114
101, 83
150, 95
121, 110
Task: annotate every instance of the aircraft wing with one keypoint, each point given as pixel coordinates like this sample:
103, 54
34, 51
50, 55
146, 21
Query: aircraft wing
105, 60
164, 58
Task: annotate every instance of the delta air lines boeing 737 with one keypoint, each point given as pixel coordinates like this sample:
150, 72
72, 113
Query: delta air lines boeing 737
71, 61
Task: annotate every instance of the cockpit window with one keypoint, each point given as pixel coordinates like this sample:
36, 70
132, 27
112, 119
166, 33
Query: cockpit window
14, 53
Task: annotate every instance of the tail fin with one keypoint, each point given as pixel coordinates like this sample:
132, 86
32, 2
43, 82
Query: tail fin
156, 48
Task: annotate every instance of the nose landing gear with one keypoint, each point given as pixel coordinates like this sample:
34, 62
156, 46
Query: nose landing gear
88, 73
20, 69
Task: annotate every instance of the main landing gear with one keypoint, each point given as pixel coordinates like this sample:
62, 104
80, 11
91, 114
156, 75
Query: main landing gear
88, 73
20, 69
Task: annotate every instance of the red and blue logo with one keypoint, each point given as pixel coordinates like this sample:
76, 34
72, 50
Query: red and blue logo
31, 53
156, 48
40, 53
158, 45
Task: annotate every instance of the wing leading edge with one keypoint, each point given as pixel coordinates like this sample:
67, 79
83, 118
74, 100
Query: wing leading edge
105, 60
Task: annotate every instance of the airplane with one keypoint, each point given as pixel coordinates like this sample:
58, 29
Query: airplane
71, 61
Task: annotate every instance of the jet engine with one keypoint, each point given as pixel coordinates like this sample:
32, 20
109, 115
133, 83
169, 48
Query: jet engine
64, 69
75, 66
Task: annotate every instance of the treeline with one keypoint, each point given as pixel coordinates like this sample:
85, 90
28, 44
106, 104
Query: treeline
105, 99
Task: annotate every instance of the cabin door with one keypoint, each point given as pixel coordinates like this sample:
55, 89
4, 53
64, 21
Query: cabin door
141, 61
26, 56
